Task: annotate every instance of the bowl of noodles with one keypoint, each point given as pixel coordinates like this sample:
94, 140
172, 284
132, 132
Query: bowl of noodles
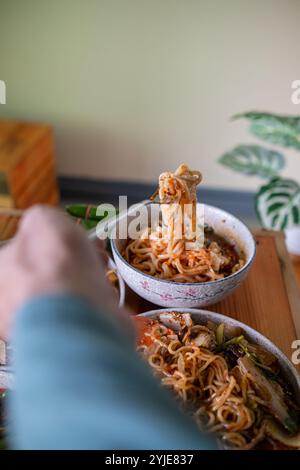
186, 254
189, 279
232, 380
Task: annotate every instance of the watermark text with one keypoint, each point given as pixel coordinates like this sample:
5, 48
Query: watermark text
296, 354
170, 221
2, 92
295, 96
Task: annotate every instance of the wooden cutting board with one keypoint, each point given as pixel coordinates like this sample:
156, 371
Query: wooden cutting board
296, 264
268, 300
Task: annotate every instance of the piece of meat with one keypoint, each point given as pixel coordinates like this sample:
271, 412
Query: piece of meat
268, 392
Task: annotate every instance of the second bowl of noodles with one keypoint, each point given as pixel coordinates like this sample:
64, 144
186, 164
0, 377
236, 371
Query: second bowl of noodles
231, 379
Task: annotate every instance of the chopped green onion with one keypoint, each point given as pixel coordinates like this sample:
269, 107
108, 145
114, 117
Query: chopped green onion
220, 334
235, 340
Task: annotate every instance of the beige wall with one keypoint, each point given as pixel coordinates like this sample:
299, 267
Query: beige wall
135, 87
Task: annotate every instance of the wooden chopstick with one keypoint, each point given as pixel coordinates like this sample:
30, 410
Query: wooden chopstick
11, 211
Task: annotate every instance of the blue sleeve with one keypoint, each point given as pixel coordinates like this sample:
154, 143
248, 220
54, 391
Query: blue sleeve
80, 385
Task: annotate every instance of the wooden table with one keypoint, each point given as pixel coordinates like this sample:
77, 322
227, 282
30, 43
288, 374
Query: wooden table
296, 264
268, 300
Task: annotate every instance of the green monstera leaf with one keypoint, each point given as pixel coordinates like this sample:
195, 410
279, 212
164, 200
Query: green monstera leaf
280, 130
278, 204
253, 160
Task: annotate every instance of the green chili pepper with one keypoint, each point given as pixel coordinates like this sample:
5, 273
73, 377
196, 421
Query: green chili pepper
86, 212
88, 224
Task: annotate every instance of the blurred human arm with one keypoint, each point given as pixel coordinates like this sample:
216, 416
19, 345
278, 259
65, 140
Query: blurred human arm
81, 385
79, 382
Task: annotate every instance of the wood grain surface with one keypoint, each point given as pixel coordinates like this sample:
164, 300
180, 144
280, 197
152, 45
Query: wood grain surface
27, 165
268, 300
296, 265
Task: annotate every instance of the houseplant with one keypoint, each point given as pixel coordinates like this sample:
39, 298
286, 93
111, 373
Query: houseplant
277, 201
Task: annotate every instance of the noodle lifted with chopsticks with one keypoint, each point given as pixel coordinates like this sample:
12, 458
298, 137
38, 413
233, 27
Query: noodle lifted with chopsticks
163, 253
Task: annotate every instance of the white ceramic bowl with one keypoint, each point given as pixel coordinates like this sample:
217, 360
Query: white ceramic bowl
121, 284
177, 294
202, 316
